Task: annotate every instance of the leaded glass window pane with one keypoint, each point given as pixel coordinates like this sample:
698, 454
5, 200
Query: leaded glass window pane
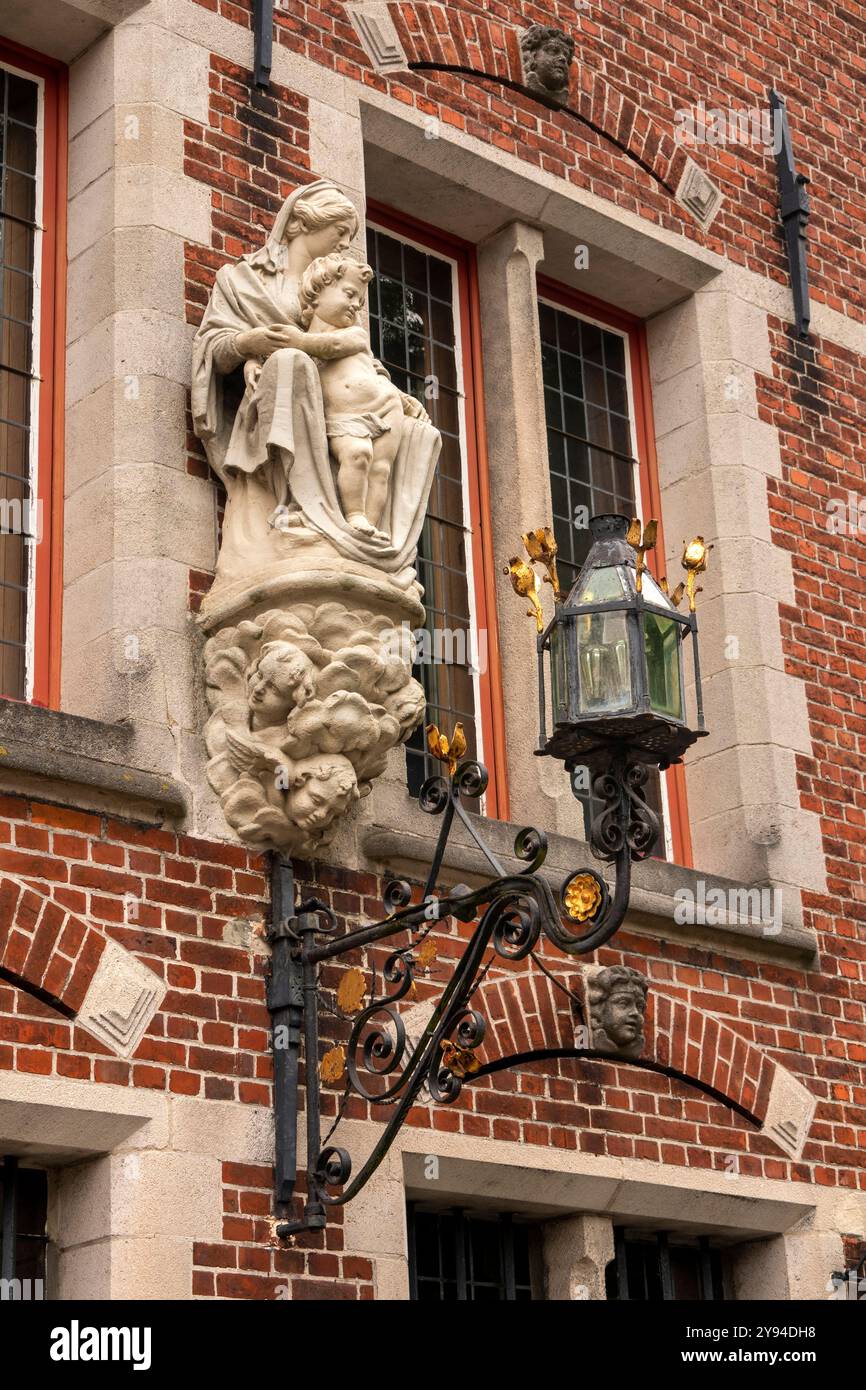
414, 331
19, 109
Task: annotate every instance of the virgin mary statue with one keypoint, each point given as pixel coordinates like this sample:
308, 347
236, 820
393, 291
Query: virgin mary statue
257, 407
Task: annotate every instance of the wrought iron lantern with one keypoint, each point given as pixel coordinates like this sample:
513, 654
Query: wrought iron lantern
614, 649
612, 656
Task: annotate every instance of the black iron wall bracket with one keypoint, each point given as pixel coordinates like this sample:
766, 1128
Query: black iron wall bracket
263, 41
793, 211
513, 911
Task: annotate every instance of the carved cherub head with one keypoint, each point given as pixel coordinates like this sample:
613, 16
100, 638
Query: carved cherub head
547, 54
334, 288
322, 787
617, 1004
278, 682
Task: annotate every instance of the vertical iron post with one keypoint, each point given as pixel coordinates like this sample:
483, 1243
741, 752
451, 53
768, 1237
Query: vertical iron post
314, 1209
285, 1002
793, 212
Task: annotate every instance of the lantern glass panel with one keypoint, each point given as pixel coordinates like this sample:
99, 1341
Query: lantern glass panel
653, 594
605, 585
559, 670
662, 647
603, 657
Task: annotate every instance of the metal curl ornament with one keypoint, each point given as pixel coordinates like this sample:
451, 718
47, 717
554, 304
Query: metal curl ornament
397, 894
471, 779
516, 925
530, 845
381, 1053
434, 795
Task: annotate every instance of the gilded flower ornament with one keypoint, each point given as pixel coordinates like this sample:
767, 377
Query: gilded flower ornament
582, 898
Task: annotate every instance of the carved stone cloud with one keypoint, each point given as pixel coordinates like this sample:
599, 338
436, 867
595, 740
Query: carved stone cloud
306, 703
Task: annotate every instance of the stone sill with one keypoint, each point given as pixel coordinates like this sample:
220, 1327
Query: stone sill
654, 882
94, 760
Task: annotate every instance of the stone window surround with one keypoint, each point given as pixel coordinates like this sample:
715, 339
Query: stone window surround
782, 1241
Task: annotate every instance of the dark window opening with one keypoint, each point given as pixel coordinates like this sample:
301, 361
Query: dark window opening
458, 1257
413, 331
23, 1239
659, 1267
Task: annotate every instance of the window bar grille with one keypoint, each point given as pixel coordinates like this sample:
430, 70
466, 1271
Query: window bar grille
9, 1239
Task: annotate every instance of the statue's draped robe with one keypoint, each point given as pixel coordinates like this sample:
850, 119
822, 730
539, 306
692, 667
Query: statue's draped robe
274, 451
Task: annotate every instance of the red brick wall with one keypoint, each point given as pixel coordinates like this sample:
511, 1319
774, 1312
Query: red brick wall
662, 57
817, 401
210, 1038
167, 898
250, 1263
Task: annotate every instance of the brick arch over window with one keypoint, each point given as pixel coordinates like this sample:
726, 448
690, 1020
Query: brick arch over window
527, 1013
443, 38
72, 965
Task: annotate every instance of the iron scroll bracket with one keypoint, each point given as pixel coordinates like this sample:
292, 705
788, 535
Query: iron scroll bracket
510, 912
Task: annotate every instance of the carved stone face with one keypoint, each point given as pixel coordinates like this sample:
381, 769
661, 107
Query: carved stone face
336, 236
547, 55
617, 1005
340, 302
622, 1015
325, 786
551, 66
280, 681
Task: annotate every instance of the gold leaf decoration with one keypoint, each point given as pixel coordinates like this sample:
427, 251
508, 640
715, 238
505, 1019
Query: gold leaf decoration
427, 952
352, 991
524, 582
633, 533
541, 547
333, 1066
582, 898
447, 750
459, 1060
694, 562
641, 544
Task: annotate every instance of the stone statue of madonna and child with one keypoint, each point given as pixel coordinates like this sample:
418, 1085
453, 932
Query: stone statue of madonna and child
327, 468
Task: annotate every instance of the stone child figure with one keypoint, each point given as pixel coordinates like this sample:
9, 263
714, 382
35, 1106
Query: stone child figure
617, 1006
547, 54
364, 410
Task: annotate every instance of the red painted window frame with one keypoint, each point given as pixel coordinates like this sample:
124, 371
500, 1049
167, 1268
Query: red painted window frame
650, 490
48, 578
491, 713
